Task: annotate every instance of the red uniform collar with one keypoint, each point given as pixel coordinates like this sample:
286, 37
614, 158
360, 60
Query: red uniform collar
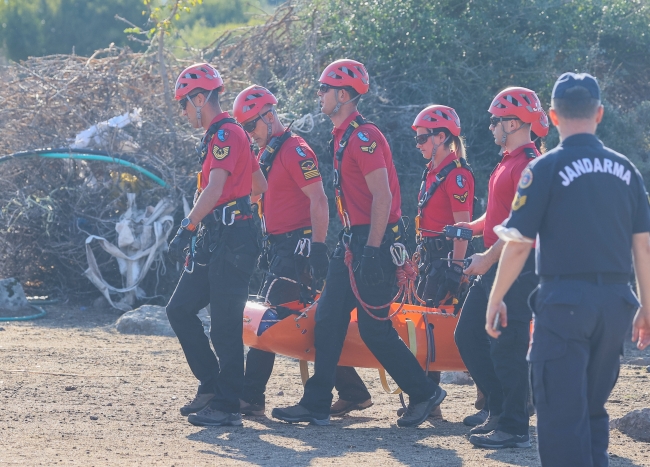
220, 116
518, 151
345, 123
446, 161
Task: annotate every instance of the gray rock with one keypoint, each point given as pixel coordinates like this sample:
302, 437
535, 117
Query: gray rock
456, 377
635, 424
639, 361
12, 296
101, 303
150, 320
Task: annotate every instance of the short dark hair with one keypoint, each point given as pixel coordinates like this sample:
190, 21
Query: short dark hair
214, 97
576, 103
353, 93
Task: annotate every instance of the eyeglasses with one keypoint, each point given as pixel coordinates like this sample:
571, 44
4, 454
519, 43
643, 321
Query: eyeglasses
494, 121
250, 126
324, 88
183, 101
421, 139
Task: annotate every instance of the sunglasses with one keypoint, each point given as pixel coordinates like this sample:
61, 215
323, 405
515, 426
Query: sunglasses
421, 139
183, 101
324, 88
250, 126
494, 121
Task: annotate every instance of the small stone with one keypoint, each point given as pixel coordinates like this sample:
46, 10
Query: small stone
150, 320
635, 424
174, 398
71, 388
456, 377
2, 329
94, 417
281, 393
110, 404
647, 369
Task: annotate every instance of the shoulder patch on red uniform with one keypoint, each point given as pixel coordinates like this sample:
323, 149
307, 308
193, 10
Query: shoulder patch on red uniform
220, 153
461, 181
222, 135
300, 151
462, 198
371, 148
363, 136
309, 169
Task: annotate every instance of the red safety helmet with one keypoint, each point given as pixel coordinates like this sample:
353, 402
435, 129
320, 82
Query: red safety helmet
250, 102
523, 104
346, 72
438, 116
197, 76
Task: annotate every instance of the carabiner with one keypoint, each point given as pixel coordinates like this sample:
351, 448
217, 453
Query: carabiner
398, 253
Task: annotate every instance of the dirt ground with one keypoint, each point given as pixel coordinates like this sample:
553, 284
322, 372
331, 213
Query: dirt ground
87, 395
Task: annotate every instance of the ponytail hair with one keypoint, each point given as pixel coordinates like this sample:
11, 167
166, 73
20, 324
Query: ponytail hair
457, 141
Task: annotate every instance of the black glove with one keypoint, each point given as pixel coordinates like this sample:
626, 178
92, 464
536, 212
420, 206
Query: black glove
371, 273
450, 285
318, 261
181, 240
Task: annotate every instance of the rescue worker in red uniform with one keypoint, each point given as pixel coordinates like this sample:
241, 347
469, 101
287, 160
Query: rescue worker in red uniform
499, 366
446, 198
368, 199
295, 216
219, 255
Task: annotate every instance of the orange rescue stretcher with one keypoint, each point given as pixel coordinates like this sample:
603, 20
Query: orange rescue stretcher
428, 332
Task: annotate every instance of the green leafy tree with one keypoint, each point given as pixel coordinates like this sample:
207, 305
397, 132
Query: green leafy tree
44, 27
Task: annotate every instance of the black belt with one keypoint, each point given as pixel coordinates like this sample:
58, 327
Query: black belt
223, 214
298, 233
593, 277
440, 243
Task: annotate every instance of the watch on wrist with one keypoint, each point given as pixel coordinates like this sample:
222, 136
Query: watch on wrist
187, 224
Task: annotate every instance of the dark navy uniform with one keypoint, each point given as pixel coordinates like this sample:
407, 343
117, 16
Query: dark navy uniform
583, 202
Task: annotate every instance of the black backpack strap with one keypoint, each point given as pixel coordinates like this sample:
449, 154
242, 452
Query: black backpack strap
271, 150
425, 195
214, 128
343, 143
530, 153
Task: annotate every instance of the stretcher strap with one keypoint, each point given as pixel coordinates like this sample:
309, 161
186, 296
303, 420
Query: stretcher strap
413, 346
304, 371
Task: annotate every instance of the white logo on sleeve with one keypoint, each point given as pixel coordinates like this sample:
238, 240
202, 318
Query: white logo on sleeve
584, 166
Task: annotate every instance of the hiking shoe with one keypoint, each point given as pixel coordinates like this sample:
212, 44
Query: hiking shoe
435, 413
298, 413
341, 407
417, 413
476, 419
212, 417
500, 439
200, 401
251, 410
487, 426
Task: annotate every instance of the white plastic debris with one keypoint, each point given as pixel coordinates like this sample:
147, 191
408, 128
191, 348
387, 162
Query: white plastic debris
103, 133
142, 238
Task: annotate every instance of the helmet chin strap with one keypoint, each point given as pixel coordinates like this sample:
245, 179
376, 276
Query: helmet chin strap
339, 104
506, 134
434, 151
198, 109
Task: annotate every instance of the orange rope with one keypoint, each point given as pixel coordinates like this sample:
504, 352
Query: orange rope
406, 276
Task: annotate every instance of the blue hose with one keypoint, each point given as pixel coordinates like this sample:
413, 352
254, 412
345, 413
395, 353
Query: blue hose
86, 154
26, 318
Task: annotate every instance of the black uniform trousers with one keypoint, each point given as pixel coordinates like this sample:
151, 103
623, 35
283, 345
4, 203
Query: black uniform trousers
577, 342
276, 291
333, 317
499, 366
222, 283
